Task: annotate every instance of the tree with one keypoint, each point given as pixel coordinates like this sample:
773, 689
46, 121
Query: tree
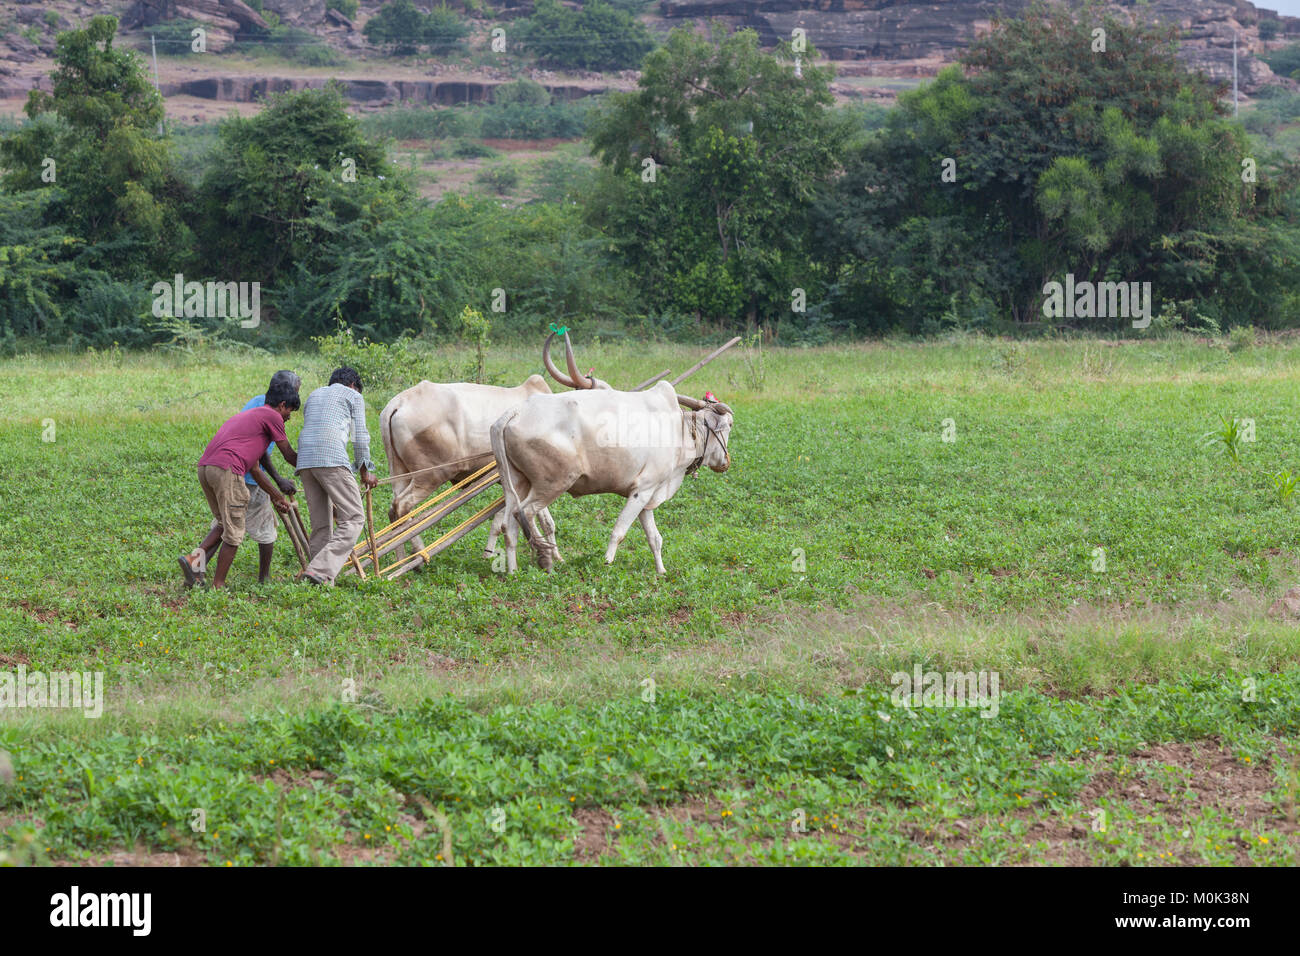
403, 29
1114, 165
94, 143
596, 37
713, 161
443, 30
270, 171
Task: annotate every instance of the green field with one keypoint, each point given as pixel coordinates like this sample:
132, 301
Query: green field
513, 719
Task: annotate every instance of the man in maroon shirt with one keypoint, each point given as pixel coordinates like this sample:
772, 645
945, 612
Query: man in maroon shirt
237, 448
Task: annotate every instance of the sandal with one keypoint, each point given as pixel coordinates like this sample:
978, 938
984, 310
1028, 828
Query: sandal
191, 576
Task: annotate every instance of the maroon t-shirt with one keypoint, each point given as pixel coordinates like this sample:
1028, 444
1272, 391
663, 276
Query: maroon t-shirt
241, 442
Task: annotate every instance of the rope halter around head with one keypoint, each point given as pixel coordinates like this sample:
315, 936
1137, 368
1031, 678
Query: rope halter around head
711, 405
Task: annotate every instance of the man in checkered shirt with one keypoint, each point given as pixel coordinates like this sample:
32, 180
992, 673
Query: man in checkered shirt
332, 416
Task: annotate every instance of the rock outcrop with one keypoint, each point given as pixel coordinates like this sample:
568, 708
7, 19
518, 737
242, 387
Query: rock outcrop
222, 20
297, 13
939, 30
246, 89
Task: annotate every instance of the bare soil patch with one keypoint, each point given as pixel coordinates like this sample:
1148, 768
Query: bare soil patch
1217, 781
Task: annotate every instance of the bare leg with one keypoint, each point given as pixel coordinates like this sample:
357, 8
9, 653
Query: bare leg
264, 554
224, 560
210, 544
653, 536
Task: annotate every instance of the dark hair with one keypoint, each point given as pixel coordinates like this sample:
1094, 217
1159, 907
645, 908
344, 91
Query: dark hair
281, 392
285, 377
346, 376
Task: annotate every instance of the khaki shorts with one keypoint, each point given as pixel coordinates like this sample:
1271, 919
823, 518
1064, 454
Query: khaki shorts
227, 498
260, 519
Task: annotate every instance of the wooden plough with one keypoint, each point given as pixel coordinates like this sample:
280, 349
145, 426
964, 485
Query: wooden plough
424, 516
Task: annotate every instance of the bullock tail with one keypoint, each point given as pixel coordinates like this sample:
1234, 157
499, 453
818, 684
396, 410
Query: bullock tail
396, 467
498, 434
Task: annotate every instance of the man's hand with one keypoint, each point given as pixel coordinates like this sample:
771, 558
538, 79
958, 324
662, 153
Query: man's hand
287, 486
281, 505
369, 480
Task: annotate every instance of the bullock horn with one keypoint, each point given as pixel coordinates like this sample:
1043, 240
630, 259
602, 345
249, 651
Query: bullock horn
550, 365
696, 405
582, 380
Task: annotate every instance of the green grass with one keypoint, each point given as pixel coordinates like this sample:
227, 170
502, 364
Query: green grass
770, 779
848, 541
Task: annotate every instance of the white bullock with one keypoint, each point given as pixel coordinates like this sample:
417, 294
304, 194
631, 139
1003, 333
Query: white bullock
639, 445
438, 433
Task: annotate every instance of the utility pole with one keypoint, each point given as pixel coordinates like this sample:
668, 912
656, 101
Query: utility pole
153, 43
1234, 74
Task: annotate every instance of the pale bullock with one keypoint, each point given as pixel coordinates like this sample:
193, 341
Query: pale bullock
638, 445
438, 433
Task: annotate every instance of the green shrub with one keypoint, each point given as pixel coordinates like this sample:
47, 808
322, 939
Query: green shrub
528, 92
597, 37
471, 149
423, 122
1285, 61
444, 30
473, 326
509, 119
384, 369
348, 8
397, 26
563, 178
530, 121
52, 19
502, 179
295, 45
402, 29
1268, 29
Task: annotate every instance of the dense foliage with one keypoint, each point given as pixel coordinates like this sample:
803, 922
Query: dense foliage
713, 164
400, 27
1109, 166
728, 191
595, 37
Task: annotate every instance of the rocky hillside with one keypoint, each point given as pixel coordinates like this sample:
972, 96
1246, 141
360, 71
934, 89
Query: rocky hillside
896, 38
930, 33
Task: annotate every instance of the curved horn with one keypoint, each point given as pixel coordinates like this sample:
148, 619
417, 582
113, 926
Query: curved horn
696, 405
550, 365
582, 380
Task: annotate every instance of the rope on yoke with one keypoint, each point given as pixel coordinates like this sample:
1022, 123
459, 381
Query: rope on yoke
446, 464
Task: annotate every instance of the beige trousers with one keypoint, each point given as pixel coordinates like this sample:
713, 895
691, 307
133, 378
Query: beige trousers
334, 504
